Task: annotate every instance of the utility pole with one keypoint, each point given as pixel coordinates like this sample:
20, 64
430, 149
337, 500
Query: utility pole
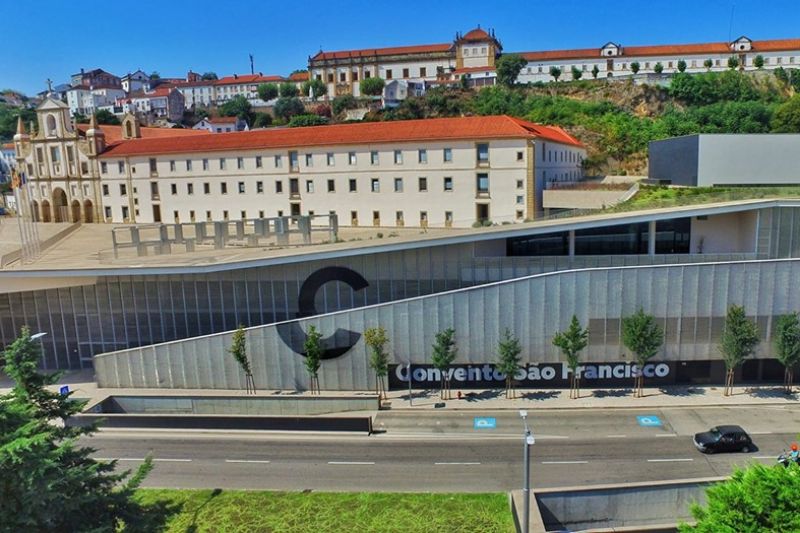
252, 70
528, 441
410, 400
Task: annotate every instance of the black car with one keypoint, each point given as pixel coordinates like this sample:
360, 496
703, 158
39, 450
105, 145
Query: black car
723, 439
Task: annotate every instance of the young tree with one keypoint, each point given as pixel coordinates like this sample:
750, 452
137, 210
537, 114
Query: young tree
155, 75
571, 342
342, 103
238, 106
758, 61
754, 500
635, 66
444, 353
643, 337
508, 68
313, 357
787, 346
286, 108
739, 341
209, 76
376, 340
681, 65
262, 120
268, 91
238, 350
576, 73
555, 72
733, 62
658, 68
319, 88
47, 481
372, 86
595, 71
287, 89
708, 64
786, 118
508, 350
106, 117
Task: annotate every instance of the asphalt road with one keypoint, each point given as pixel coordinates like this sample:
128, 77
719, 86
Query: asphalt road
441, 452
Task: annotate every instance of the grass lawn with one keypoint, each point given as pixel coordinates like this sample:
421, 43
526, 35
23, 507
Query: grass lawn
294, 512
658, 196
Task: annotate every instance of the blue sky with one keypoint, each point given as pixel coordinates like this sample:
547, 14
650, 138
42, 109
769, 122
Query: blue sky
172, 36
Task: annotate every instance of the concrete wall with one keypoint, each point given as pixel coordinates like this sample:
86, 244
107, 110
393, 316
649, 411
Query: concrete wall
674, 160
722, 234
689, 301
749, 159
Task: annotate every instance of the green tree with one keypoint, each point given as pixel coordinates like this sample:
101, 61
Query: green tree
268, 91
555, 72
307, 119
787, 346
508, 68
754, 500
342, 103
262, 120
155, 75
708, 64
286, 108
635, 66
681, 65
758, 61
47, 481
576, 73
319, 87
372, 86
287, 89
209, 76
238, 350
104, 116
658, 68
643, 337
313, 357
787, 116
444, 353
238, 106
80, 118
595, 71
376, 341
738, 342
508, 359
571, 342
733, 62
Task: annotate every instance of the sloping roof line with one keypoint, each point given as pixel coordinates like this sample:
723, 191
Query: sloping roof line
439, 129
394, 50
113, 134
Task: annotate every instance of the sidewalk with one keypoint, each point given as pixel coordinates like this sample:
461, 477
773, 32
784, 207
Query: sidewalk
83, 386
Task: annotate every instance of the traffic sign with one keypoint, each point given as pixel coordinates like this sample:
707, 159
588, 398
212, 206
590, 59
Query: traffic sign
64, 390
648, 421
484, 422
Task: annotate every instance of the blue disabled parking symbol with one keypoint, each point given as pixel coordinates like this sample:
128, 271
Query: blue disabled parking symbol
484, 422
648, 421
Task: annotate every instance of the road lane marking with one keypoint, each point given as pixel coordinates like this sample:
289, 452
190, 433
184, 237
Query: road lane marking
441, 464
142, 459
666, 435
761, 432
564, 462
765, 457
351, 463
616, 436
542, 437
246, 461
669, 460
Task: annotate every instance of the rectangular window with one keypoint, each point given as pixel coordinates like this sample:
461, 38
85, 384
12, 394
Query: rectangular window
191, 216
331, 186
261, 214
107, 212
260, 187
123, 189
309, 185
482, 150
188, 164
520, 156
423, 184
223, 188
422, 156
278, 187
423, 218
208, 216
205, 164
190, 188
448, 184
482, 183
278, 161
258, 161
125, 212
423, 71
520, 184
121, 167
388, 73
172, 166
376, 218
330, 158
173, 188
520, 199
309, 160
222, 163
105, 189
294, 164
243, 215
154, 190
375, 185
405, 73
352, 186
241, 187
240, 163
398, 157
206, 188
448, 217
373, 158
354, 218
225, 215
398, 185
447, 155
103, 167
351, 158
153, 167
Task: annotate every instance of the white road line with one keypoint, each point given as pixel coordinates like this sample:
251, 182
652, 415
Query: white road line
564, 462
669, 460
442, 464
142, 459
666, 435
543, 437
172, 460
616, 436
351, 463
761, 432
246, 461
765, 457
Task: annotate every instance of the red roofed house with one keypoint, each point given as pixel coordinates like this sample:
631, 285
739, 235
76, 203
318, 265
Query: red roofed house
165, 102
242, 84
222, 124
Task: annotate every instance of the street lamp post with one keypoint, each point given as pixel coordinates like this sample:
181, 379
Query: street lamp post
410, 399
528, 440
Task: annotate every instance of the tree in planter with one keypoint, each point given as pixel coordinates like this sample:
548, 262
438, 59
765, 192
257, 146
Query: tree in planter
286, 108
595, 71
576, 73
658, 68
555, 72
642, 336
571, 342
758, 61
681, 65
48, 482
444, 353
376, 340
708, 64
739, 341
268, 91
316, 87
733, 62
372, 86
508, 350
313, 361
635, 66
787, 346
287, 89
238, 350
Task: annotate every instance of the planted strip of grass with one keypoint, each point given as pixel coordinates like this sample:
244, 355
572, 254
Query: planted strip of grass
294, 512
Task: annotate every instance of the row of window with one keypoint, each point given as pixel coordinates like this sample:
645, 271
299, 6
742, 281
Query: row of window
694, 63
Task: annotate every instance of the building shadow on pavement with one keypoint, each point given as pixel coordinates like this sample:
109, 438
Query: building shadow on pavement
611, 393
541, 395
483, 395
682, 391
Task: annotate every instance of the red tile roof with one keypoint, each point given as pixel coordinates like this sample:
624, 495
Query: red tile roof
464, 70
247, 78
113, 134
300, 76
396, 50
8, 146
437, 129
676, 49
776, 45
553, 55
223, 120
476, 35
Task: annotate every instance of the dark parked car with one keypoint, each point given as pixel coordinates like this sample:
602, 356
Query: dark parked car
723, 439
